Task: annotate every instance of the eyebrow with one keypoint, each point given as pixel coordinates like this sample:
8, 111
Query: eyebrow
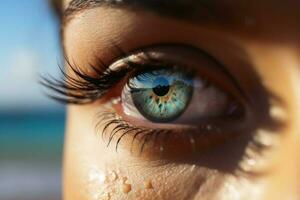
206, 10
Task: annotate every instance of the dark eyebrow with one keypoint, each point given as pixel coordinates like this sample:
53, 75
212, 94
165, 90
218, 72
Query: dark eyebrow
208, 10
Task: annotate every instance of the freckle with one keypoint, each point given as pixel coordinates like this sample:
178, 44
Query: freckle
126, 188
148, 184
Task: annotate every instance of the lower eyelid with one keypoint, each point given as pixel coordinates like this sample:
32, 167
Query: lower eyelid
160, 143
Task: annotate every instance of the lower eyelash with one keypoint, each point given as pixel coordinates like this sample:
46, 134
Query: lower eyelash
158, 138
112, 127
108, 119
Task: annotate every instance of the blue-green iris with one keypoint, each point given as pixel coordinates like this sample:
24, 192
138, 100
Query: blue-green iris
161, 95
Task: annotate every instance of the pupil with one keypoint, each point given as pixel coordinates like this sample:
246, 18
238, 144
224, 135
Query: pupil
161, 86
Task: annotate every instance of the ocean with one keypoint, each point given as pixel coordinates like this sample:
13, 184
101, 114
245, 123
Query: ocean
31, 145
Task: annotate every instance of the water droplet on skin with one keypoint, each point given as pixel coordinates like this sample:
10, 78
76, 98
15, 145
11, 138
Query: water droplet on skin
124, 179
277, 112
108, 196
116, 101
113, 176
105, 196
192, 141
193, 144
193, 168
251, 162
161, 149
148, 185
113, 190
209, 127
97, 176
126, 188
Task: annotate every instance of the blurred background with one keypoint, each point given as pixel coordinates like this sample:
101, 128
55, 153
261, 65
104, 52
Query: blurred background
31, 125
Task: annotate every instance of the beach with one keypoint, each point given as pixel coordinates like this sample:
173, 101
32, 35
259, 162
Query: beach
30, 155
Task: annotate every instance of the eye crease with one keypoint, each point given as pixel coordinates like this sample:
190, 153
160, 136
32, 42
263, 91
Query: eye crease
162, 100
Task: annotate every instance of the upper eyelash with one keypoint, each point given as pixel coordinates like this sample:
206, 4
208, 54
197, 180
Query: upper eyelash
85, 89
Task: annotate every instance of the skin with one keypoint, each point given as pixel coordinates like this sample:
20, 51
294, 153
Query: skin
94, 171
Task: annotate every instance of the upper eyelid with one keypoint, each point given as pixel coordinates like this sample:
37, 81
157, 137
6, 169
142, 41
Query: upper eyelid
104, 74
214, 59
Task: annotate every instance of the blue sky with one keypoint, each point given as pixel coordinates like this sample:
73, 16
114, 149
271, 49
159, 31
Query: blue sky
29, 46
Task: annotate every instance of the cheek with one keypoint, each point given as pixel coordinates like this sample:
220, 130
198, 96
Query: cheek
83, 174
92, 171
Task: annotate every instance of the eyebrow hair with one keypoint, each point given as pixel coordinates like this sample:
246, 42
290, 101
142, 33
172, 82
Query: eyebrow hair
208, 10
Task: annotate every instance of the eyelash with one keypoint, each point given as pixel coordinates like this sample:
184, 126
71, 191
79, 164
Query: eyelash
86, 89
160, 136
121, 125
92, 88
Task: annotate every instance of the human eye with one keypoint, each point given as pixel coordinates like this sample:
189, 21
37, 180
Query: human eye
166, 93
163, 100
